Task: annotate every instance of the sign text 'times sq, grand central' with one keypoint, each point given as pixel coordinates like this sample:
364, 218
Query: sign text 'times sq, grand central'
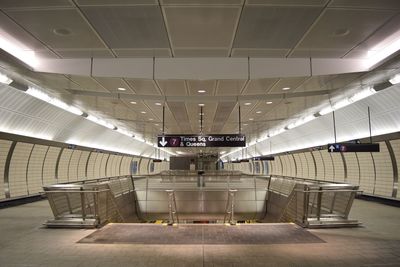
217, 140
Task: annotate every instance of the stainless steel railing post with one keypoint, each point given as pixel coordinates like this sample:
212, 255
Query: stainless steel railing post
83, 204
319, 203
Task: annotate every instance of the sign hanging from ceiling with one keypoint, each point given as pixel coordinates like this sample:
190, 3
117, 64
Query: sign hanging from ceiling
214, 140
353, 147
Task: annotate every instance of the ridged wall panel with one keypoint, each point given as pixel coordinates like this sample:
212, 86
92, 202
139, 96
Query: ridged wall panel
50, 165
4, 149
91, 165
353, 168
73, 166
396, 151
384, 171
328, 165
367, 172
35, 169
319, 164
338, 166
63, 165
83, 160
18, 170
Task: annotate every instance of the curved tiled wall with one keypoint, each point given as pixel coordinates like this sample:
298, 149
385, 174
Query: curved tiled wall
376, 173
25, 167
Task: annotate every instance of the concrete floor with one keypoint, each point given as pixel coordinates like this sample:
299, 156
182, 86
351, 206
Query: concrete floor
24, 242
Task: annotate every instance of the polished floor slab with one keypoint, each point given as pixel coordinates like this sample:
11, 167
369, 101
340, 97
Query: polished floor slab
24, 242
246, 234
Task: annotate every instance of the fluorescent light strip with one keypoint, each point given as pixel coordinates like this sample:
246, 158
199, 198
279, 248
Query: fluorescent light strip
17, 50
101, 122
395, 79
5, 79
53, 101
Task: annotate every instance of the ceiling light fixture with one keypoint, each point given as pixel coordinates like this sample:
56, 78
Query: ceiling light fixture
121, 89
247, 104
143, 112
158, 104
250, 119
201, 105
133, 102
395, 79
53, 101
150, 119
101, 122
268, 102
5, 79
18, 50
285, 88
259, 112
201, 91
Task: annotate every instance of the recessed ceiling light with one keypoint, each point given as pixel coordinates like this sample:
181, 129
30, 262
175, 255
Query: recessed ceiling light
143, 112
121, 89
62, 31
247, 104
158, 104
341, 32
201, 91
245, 124
285, 88
156, 124
201, 105
250, 119
151, 119
133, 102
269, 102
258, 112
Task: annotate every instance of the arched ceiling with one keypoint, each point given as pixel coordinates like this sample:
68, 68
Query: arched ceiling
79, 29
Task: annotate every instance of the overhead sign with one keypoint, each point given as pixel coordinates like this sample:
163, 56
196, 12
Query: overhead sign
264, 158
353, 147
215, 140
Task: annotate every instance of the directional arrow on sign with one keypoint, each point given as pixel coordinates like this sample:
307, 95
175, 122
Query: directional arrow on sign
163, 142
331, 148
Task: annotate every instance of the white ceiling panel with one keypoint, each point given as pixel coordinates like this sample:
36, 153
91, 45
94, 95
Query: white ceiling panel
201, 52
202, 2
201, 26
115, 2
34, 3
112, 85
143, 87
351, 29
173, 87
154, 52
195, 85
247, 52
229, 87
10, 29
288, 2
259, 86
318, 53
375, 4
384, 35
291, 83
58, 28
56, 81
129, 26
273, 27
87, 83
84, 53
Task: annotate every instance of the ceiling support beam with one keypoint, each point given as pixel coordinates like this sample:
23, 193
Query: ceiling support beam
201, 68
197, 98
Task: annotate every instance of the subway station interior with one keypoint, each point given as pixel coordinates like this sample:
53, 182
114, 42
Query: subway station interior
199, 133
